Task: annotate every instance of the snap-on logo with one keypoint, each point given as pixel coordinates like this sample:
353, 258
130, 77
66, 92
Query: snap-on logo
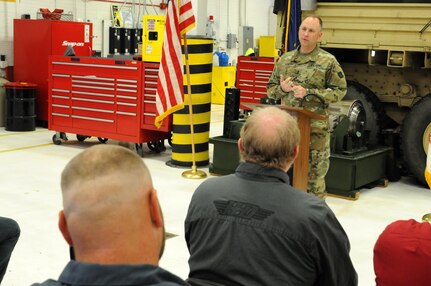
73, 44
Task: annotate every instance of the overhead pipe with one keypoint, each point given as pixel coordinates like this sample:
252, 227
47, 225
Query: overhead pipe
162, 5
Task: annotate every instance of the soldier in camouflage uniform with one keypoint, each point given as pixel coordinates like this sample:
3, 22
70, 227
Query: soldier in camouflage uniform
310, 70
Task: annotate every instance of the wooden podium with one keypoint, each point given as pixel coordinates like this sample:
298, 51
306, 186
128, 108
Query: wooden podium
303, 116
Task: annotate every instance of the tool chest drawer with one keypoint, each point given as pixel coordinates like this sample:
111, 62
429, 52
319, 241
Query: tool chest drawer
105, 97
253, 74
95, 94
150, 75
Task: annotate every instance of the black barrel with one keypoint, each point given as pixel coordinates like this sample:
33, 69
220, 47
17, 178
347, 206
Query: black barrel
20, 106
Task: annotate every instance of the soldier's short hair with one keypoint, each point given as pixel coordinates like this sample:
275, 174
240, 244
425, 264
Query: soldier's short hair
318, 18
269, 137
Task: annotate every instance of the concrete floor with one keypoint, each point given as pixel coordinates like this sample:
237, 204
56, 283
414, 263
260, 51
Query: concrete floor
30, 167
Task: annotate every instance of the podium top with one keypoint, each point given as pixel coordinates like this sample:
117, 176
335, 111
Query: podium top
295, 110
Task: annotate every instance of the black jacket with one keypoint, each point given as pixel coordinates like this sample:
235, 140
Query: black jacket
253, 228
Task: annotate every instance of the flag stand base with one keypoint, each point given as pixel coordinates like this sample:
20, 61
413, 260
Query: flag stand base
194, 173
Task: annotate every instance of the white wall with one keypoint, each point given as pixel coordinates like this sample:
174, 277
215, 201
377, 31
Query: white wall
228, 16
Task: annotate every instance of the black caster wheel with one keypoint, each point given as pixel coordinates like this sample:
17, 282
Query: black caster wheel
102, 140
56, 140
81, 138
139, 150
157, 146
63, 136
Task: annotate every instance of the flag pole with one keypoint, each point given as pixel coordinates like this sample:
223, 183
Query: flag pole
194, 173
287, 24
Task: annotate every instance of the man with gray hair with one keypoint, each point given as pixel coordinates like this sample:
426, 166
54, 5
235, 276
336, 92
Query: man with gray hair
112, 219
253, 228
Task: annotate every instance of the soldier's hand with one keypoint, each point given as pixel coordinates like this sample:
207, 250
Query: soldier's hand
299, 91
287, 84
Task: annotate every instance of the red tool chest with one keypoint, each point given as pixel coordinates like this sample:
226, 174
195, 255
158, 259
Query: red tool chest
35, 41
252, 76
151, 71
104, 98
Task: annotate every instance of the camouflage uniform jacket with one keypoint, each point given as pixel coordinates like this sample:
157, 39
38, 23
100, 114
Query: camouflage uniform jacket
318, 72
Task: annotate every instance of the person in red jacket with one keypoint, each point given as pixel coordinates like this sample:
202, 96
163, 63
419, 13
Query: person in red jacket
402, 254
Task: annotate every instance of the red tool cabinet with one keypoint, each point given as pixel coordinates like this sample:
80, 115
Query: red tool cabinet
252, 76
36, 40
104, 98
151, 71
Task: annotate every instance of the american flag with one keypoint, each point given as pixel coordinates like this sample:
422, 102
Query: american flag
170, 92
187, 18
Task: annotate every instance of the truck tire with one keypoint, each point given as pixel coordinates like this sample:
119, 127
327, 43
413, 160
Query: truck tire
373, 110
415, 137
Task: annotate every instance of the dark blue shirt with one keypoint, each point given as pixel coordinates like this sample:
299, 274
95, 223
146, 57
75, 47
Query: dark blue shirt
78, 273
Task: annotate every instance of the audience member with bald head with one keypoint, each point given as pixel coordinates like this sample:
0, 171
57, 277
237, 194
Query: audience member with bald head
254, 228
112, 219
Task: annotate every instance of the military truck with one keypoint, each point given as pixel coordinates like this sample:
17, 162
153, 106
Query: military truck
385, 52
